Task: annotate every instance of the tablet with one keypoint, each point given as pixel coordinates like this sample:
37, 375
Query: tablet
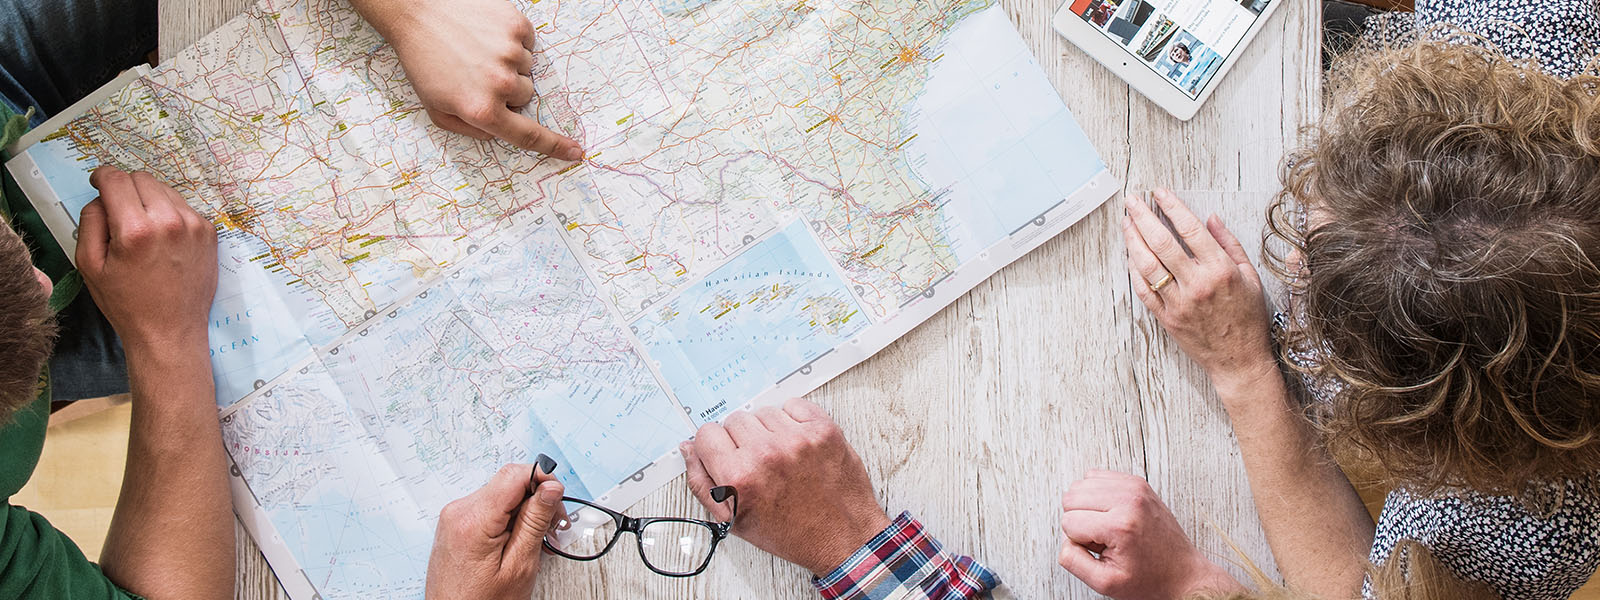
1172, 51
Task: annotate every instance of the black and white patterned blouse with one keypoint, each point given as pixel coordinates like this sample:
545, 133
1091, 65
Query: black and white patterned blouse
1563, 35
1525, 548
1548, 545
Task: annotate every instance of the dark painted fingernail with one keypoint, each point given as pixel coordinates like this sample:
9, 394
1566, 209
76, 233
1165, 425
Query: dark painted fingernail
546, 464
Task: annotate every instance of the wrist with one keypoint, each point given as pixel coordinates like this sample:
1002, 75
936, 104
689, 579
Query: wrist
167, 346
1209, 580
849, 536
391, 18
1246, 378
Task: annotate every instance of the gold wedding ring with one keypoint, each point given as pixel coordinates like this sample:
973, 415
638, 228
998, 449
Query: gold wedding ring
1165, 281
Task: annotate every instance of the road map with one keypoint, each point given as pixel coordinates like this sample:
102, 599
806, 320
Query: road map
774, 191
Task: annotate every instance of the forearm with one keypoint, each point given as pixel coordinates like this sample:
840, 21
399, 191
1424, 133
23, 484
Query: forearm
388, 17
172, 533
1319, 530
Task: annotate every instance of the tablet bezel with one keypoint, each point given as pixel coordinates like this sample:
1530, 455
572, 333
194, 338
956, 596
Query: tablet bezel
1140, 76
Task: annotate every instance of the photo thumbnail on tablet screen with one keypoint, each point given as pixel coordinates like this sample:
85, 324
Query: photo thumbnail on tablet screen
1185, 41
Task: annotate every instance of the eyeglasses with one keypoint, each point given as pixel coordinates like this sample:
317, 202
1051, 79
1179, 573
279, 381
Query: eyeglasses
669, 546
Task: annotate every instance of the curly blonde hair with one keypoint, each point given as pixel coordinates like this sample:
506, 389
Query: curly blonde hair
1442, 228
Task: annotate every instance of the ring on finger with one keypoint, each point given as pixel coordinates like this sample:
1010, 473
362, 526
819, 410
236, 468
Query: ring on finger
1163, 282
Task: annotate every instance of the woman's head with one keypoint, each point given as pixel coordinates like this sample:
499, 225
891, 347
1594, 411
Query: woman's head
27, 328
1448, 279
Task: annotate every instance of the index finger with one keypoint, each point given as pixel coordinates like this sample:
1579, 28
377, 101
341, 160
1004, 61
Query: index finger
528, 134
1189, 227
1088, 499
118, 193
713, 446
805, 411
1086, 527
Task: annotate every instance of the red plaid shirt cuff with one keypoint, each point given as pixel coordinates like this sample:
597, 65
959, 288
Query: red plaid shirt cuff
904, 562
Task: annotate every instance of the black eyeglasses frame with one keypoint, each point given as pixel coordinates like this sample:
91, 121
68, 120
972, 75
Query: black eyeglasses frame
627, 524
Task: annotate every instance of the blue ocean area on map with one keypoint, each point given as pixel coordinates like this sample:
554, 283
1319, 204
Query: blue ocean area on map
506, 358
994, 137
254, 337
60, 164
751, 323
356, 549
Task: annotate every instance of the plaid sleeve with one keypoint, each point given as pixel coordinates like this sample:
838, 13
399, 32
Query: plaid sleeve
904, 563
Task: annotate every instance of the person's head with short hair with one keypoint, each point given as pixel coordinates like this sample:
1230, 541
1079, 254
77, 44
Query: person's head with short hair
1442, 227
27, 327
1180, 53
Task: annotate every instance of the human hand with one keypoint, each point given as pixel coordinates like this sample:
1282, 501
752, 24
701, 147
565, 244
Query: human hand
488, 545
1142, 551
804, 495
470, 61
1211, 303
149, 260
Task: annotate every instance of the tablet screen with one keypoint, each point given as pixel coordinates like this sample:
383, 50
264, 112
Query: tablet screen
1185, 41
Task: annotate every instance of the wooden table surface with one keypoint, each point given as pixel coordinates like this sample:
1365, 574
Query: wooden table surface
979, 419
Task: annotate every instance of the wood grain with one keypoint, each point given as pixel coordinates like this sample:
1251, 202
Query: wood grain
979, 419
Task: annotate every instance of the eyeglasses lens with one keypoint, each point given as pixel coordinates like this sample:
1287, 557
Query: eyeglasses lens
582, 531
675, 546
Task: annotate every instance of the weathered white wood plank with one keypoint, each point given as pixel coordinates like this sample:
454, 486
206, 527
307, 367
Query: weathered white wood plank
183, 22
980, 418
1232, 152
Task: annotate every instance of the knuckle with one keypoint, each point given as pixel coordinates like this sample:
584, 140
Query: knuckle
767, 454
451, 514
503, 81
830, 432
1190, 229
1138, 500
521, 28
480, 111
506, 472
136, 233
170, 226
743, 480
1122, 529
1162, 244
1142, 486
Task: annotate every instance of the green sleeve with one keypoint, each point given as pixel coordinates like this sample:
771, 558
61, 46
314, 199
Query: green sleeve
39, 562
36, 560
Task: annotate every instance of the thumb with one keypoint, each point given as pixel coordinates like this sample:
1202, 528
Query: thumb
93, 238
527, 533
1078, 561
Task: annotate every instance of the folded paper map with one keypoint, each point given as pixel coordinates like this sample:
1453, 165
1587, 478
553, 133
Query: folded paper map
774, 191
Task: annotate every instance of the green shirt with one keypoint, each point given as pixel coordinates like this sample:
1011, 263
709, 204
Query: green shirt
36, 560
